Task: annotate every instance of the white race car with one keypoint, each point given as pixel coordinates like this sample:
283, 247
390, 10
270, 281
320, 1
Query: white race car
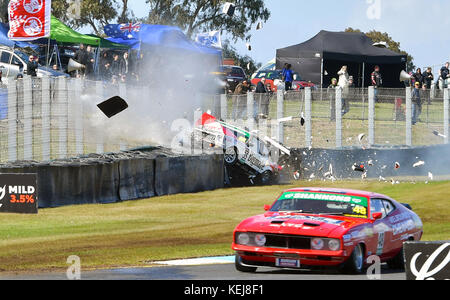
256, 156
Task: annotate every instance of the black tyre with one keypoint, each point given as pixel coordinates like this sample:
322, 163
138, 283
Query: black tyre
241, 268
266, 178
355, 264
398, 262
231, 156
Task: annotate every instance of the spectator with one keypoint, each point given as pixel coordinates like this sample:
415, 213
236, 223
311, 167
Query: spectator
331, 92
444, 76
289, 77
81, 56
376, 80
240, 102
263, 99
428, 78
90, 62
115, 69
343, 77
105, 67
416, 103
32, 66
418, 77
124, 67
283, 72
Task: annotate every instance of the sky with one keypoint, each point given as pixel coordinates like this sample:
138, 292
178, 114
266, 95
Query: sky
421, 27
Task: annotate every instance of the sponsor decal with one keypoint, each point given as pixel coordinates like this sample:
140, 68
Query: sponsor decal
18, 193
360, 201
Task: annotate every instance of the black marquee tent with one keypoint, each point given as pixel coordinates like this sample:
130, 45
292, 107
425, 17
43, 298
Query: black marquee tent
319, 59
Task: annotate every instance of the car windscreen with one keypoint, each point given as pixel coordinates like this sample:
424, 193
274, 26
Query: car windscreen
322, 203
234, 71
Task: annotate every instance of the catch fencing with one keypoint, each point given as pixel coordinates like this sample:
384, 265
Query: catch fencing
334, 118
43, 119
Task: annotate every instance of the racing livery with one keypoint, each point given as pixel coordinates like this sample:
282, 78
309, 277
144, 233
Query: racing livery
310, 227
253, 154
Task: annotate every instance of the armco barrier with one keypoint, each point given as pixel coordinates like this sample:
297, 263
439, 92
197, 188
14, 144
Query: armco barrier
121, 177
382, 162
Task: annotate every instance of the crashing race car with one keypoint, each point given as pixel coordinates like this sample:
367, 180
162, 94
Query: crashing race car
248, 152
312, 227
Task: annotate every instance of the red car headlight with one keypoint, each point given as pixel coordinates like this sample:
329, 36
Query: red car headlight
334, 245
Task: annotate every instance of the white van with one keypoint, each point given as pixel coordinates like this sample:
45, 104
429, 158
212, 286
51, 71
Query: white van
14, 62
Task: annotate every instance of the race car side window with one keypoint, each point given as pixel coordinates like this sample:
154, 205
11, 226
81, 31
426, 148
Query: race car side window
388, 206
376, 206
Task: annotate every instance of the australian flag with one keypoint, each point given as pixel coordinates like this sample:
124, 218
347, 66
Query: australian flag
128, 31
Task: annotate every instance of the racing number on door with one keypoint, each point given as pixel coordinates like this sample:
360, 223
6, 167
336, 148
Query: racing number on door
380, 244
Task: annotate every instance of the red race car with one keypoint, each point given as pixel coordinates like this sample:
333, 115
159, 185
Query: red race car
273, 79
310, 227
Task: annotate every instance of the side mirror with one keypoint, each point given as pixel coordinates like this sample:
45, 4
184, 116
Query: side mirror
266, 207
377, 216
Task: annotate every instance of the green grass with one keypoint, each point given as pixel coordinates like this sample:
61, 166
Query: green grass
137, 232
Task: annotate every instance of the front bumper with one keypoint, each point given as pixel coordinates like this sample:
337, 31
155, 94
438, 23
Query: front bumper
266, 257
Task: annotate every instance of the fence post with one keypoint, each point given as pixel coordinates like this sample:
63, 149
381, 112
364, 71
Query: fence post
45, 114
12, 120
79, 128
27, 118
338, 117
280, 115
99, 137
62, 104
446, 114
250, 110
408, 116
371, 115
223, 107
308, 106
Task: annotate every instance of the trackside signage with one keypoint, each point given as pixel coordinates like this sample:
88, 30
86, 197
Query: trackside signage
427, 260
18, 193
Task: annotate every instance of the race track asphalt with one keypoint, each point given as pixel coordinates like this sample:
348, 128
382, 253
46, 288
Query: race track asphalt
206, 272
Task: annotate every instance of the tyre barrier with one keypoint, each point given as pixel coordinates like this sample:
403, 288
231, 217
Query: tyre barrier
110, 178
377, 162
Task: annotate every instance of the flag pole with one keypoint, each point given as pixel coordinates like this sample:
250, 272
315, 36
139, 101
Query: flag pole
48, 51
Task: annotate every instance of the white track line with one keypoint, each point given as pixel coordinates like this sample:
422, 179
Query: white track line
198, 261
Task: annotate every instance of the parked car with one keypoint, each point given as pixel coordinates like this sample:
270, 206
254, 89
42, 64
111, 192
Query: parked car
14, 62
273, 80
311, 227
234, 75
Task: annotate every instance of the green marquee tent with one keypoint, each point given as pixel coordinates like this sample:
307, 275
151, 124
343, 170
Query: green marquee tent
63, 34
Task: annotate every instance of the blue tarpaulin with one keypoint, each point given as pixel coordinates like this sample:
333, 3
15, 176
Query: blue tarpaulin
4, 40
148, 36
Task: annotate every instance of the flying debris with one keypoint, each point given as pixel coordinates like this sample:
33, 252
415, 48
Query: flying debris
113, 106
302, 119
229, 9
370, 163
361, 136
359, 168
259, 26
436, 133
419, 164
